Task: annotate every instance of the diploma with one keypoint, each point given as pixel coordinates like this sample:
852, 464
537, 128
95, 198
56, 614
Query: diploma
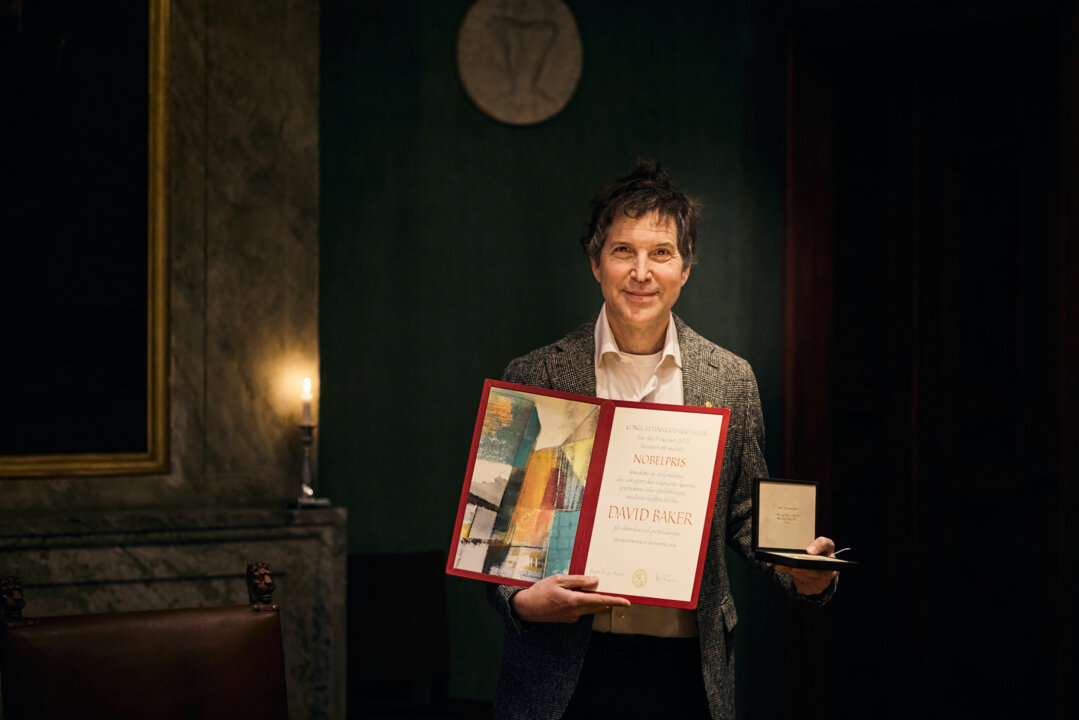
561, 483
654, 507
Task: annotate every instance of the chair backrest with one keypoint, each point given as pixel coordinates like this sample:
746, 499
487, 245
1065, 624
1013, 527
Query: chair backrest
213, 662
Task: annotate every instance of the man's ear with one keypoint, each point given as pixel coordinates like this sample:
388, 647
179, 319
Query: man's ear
595, 269
685, 275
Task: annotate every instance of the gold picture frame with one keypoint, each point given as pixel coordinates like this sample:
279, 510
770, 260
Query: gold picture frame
156, 457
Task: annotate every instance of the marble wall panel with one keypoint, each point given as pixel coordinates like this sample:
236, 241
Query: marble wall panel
262, 162
187, 316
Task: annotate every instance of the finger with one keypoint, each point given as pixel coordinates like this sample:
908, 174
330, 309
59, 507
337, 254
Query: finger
577, 582
605, 601
784, 569
597, 607
822, 546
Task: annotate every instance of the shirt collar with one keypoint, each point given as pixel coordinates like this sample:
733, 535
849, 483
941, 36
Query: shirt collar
605, 342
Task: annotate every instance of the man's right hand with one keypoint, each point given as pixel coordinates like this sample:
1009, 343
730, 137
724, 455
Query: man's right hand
562, 598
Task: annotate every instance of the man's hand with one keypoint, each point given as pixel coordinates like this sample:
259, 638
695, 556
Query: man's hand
562, 598
812, 582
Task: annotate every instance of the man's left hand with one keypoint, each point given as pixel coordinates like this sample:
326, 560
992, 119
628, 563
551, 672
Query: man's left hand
812, 582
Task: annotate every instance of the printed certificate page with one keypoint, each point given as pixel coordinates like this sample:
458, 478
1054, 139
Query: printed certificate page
655, 502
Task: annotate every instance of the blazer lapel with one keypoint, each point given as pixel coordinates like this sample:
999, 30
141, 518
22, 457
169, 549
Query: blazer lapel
689, 345
699, 366
573, 366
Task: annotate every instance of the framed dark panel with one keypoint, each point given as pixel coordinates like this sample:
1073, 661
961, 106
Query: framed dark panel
84, 254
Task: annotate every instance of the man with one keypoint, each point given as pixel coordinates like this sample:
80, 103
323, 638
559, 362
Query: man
569, 651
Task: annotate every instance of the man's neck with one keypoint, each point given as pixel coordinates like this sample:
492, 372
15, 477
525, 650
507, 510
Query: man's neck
639, 341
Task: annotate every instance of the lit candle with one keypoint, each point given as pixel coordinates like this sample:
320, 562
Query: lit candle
306, 397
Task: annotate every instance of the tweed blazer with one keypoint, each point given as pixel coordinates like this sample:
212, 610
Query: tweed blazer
540, 662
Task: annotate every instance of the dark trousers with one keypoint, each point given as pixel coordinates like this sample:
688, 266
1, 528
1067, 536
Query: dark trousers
636, 676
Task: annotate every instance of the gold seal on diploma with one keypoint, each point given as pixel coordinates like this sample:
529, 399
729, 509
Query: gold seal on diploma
640, 578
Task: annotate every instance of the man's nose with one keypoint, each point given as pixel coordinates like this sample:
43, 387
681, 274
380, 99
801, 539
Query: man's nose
641, 267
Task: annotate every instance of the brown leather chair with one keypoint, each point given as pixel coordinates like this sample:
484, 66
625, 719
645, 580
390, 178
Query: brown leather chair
211, 662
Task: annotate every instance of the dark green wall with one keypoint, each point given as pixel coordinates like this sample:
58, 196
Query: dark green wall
449, 244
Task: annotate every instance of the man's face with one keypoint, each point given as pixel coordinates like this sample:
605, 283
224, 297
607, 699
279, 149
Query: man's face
641, 274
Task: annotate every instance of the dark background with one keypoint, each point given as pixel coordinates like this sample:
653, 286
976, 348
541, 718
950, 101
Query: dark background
934, 329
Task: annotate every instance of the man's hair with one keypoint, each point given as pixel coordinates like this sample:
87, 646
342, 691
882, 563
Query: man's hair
648, 187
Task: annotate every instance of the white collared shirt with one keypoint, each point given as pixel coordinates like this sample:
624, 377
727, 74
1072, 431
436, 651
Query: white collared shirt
641, 378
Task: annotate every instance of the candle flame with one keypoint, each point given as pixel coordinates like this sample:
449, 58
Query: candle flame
307, 388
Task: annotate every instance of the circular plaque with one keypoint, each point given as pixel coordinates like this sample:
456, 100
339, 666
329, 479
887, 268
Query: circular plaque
519, 60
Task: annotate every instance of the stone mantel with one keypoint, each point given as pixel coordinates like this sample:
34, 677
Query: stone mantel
146, 559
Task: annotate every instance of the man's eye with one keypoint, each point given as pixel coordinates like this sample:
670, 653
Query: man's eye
621, 250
